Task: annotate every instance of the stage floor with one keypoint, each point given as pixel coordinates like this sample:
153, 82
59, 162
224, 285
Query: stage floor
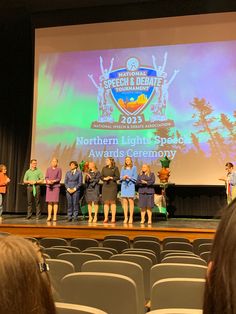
185, 227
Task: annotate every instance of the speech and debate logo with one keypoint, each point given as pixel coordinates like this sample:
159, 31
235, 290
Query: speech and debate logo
132, 89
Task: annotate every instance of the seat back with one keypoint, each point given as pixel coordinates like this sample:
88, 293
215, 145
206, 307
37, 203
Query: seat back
146, 238
204, 247
67, 308
104, 254
129, 269
101, 290
57, 270
84, 243
182, 246
54, 252
164, 253
184, 292
176, 311
175, 270
184, 260
197, 242
49, 242
151, 245
117, 244
118, 237
77, 259
73, 249
174, 239
150, 255
146, 265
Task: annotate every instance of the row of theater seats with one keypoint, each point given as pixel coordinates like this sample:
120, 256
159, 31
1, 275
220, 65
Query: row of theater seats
145, 273
120, 276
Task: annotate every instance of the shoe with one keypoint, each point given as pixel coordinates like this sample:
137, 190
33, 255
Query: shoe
95, 220
142, 222
38, 217
130, 221
76, 219
113, 221
105, 221
149, 222
54, 219
28, 217
90, 219
69, 219
49, 219
125, 221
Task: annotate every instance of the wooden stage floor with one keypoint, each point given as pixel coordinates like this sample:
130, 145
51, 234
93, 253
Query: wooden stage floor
183, 227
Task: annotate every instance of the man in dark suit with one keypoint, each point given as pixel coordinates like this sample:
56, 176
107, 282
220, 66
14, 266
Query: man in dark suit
73, 182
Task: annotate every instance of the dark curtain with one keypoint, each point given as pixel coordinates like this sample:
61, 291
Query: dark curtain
16, 67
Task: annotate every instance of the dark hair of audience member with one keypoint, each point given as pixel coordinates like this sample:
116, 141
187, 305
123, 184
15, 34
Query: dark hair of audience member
24, 289
220, 291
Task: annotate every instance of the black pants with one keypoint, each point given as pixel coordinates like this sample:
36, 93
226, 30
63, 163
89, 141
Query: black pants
30, 198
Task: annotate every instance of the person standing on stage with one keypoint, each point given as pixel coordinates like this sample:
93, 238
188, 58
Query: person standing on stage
230, 182
4, 181
145, 182
33, 178
92, 191
128, 178
53, 178
73, 182
109, 175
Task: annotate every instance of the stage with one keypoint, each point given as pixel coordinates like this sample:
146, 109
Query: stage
183, 227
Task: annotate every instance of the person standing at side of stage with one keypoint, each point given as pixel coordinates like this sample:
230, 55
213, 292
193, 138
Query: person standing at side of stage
145, 182
53, 178
230, 182
73, 182
33, 178
4, 181
109, 175
128, 178
92, 190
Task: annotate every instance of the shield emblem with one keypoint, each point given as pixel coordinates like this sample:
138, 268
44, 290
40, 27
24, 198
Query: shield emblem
133, 99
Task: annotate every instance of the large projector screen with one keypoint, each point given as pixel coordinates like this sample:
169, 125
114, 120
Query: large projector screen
145, 89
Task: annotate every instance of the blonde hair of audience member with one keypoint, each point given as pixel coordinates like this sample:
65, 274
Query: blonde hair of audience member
128, 202
24, 288
220, 290
91, 205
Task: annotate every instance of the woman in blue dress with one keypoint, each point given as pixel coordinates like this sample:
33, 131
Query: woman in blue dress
128, 179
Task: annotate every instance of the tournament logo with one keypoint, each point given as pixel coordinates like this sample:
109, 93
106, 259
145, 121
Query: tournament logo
132, 89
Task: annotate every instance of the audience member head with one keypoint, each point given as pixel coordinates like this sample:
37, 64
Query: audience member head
24, 285
220, 291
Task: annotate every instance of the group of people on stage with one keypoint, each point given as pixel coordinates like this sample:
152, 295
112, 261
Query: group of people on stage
110, 175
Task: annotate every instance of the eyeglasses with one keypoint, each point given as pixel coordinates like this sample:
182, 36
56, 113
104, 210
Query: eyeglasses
43, 267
